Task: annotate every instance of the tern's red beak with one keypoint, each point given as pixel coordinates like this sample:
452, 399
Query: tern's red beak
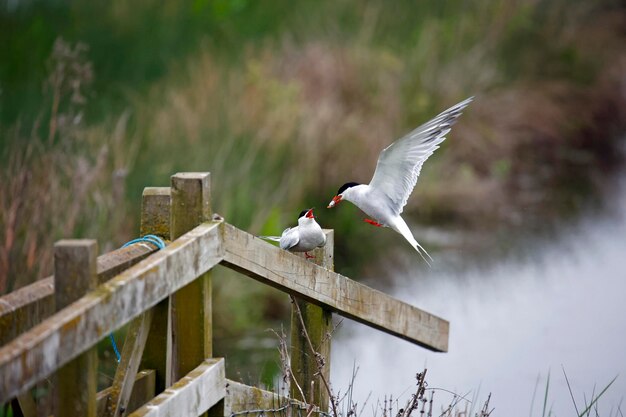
336, 200
309, 214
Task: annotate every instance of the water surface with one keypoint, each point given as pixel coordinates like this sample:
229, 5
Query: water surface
512, 322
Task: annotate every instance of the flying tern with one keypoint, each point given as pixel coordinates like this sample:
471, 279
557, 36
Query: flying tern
397, 170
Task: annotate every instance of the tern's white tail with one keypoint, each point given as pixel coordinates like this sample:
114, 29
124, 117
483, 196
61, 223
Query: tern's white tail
274, 238
401, 227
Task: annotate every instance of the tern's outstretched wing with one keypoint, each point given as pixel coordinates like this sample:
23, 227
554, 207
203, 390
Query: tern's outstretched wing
400, 163
289, 238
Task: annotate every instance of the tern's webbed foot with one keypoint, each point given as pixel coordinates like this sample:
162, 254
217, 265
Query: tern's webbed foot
307, 256
373, 222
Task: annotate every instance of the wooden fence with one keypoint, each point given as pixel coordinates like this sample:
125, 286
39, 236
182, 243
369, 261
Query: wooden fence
50, 329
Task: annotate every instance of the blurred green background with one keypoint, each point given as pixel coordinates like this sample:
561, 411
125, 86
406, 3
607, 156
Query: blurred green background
285, 101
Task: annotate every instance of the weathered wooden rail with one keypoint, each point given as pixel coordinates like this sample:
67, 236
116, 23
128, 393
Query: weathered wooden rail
51, 328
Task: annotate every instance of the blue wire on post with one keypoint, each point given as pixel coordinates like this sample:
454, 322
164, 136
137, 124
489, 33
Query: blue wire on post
118, 356
155, 240
160, 244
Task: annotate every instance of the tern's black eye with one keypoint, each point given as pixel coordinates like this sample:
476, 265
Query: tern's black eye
346, 186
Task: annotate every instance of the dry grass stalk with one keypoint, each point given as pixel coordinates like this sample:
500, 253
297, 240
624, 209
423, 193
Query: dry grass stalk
421, 401
72, 186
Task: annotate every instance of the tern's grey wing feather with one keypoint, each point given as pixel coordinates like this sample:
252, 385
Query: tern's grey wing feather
289, 238
400, 163
321, 245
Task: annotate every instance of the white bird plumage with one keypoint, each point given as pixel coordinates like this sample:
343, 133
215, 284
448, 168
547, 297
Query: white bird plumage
397, 170
304, 237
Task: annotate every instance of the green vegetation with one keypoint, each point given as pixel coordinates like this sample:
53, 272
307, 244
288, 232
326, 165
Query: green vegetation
283, 102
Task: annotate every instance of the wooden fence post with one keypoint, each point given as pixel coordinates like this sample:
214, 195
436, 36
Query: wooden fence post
75, 274
155, 219
318, 322
155, 212
191, 305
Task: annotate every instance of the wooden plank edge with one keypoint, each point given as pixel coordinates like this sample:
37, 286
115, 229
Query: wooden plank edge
254, 257
242, 398
37, 353
194, 394
26, 307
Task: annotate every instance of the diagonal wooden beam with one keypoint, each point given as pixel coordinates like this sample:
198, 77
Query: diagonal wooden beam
287, 272
126, 372
143, 391
27, 405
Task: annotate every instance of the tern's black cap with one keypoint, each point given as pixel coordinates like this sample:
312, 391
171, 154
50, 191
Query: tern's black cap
304, 212
346, 186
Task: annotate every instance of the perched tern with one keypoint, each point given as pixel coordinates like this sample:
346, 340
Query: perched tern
306, 236
397, 170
